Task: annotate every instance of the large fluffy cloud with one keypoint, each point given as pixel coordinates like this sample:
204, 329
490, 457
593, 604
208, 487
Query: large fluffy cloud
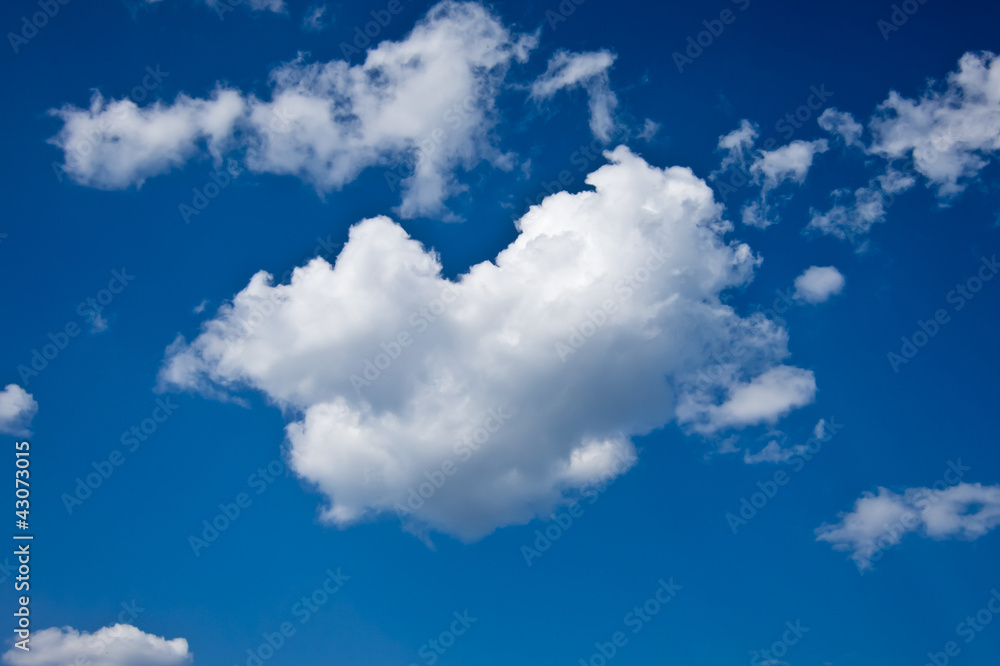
425, 103
880, 520
17, 408
119, 645
595, 325
589, 70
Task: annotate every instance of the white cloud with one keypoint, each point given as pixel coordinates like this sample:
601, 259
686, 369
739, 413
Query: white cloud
764, 399
773, 453
842, 124
119, 645
589, 70
737, 145
882, 519
949, 133
790, 162
649, 130
818, 283
17, 408
327, 122
529, 334
771, 168
115, 144
314, 18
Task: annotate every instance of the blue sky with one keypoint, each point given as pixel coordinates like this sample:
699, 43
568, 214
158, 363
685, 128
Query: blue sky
739, 366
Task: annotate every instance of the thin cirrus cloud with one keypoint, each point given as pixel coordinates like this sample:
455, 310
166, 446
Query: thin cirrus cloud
17, 408
879, 520
590, 71
593, 326
326, 122
119, 645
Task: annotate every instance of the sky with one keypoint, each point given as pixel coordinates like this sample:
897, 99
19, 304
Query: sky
454, 333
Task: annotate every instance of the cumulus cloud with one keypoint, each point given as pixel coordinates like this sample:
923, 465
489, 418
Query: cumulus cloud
115, 144
842, 124
589, 70
119, 645
948, 133
790, 162
327, 122
528, 375
818, 283
880, 520
764, 399
771, 168
17, 408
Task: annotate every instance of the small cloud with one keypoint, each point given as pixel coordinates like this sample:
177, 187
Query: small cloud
17, 408
98, 324
198, 309
818, 283
649, 130
315, 18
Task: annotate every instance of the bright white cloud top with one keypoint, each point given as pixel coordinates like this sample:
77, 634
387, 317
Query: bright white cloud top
327, 122
523, 380
818, 283
17, 408
881, 520
119, 645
